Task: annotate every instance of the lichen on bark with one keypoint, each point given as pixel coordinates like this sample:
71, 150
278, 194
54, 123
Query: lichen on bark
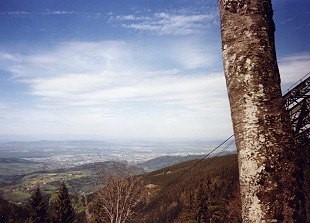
266, 150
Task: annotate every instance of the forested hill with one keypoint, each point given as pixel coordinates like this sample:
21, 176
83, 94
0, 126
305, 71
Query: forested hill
19, 177
165, 161
183, 193
192, 191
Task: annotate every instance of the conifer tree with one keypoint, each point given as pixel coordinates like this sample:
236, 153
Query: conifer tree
64, 210
202, 205
38, 207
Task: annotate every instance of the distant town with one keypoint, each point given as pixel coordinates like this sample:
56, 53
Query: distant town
65, 154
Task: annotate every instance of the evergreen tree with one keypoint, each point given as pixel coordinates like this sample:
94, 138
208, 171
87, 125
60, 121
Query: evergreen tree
38, 207
202, 205
64, 210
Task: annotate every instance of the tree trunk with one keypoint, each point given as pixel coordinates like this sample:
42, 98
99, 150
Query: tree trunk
266, 151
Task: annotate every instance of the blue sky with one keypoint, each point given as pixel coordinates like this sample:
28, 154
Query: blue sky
138, 69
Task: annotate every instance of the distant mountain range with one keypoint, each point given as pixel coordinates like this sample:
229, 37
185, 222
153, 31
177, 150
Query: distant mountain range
164, 161
15, 160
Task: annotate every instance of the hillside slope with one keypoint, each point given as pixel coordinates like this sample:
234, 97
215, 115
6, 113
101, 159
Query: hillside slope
81, 179
209, 192
165, 161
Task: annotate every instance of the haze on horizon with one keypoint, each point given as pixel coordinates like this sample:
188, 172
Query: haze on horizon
115, 69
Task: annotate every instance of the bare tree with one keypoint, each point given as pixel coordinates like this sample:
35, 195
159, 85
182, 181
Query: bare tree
266, 151
118, 201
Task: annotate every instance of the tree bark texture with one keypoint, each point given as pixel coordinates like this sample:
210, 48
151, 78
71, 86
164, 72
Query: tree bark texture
267, 154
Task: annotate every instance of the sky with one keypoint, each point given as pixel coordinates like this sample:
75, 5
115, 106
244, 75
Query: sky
126, 69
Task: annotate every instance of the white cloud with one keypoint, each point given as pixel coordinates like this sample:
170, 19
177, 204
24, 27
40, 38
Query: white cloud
113, 88
111, 71
182, 22
68, 58
293, 68
123, 89
15, 13
8, 57
3, 106
191, 55
88, 90
58, 12
48, 12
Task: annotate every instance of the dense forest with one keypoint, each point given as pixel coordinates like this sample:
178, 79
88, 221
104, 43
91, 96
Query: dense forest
192, 191
207, 192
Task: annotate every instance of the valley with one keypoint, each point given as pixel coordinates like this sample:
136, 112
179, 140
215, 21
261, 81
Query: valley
83, 165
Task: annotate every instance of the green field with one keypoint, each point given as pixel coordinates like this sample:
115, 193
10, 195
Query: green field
24, 178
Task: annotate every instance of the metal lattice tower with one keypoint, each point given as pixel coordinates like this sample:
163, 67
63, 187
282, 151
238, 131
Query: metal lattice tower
297, 104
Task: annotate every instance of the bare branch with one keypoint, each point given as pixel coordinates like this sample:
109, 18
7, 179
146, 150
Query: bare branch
118, 201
